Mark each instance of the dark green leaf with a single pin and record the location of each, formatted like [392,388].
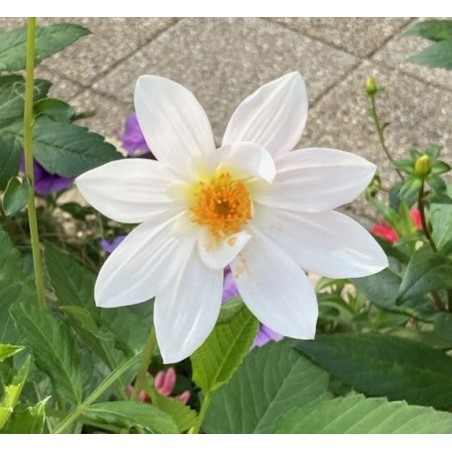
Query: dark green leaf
[434,152]
[12,393]
[441,219]
[356,414]
[49,40]
[425,272]
[385,366]
[130,414]
[443,325]
[407,166]
[230,309]
[440,167]
[76,210]
[16,195]
[66,149]
[54,349]
[410,189]
[10,150]
[437,183]
[272,380]
[30,421]
[436,55]
[222,352]
[434,29]
[7,350]
[55,109]
[14,287]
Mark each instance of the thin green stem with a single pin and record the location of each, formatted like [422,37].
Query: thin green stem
[28,148]
[78,411]
[202,414]
[379,128]
[140,381]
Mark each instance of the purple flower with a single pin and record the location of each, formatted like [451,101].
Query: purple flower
[133,140]
[46,182]
[109,247]
[265,334]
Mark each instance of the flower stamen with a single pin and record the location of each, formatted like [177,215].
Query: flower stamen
[222,203]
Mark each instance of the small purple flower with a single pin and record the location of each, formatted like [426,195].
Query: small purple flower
[265,334]
[45,182]
[109,247]
[132,139]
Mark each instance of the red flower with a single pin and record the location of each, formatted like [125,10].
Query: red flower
[389,234]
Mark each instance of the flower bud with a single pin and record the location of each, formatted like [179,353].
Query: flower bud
[423,166]
[371,87]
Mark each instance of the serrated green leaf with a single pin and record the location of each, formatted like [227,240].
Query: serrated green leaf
[29,421]
[55,109]
[222,352]
[434,29]
[7,350]
[16,195]
[65,149]
[272,380]
[49,40]
[128,414]
[396,368]
[426,271]
[356,414]
[14,287]
[436,55]
[54,350]
[12,393]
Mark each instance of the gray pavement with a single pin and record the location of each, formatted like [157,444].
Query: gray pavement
[223,60]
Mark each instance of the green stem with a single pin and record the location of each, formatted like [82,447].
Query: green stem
[202,414]
[379,128]
[28,148]
[140,381]
[77,412]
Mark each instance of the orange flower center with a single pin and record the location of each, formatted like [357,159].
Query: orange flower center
[222,203]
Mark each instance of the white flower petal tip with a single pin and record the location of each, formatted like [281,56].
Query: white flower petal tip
[218,254]
[274,116]
[245,160]
[173,122]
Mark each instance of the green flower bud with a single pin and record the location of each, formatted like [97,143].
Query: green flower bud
[371,87]
[423,166]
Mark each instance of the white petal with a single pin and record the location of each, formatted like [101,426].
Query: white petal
[129,190]
[315,180]
[217,255]
[327,243]
[275,289]
[143,264]
[274,116]
[244,160]
[186,311]
[173,122]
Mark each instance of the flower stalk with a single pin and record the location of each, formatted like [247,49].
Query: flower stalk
[28,149]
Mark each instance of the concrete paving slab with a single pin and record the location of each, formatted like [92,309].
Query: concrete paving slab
[396,52]
[224,60]
[360,36]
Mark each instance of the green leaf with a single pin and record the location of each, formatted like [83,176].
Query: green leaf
[54,350]
[66,149]
[222,352]
[7,350]
[10,150]
[435,30]
[14,287]
[425,272]
[437,184]
[230,309]
[356,414]
[407,166]
[272,380]
[49,40]
[182,415]
[385,366]
[441,219]
[16,195]
[436,55]
[128,414]
[439,167]
[12,393]
[410,189]
[55,109]
[443,325]
[30,421]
